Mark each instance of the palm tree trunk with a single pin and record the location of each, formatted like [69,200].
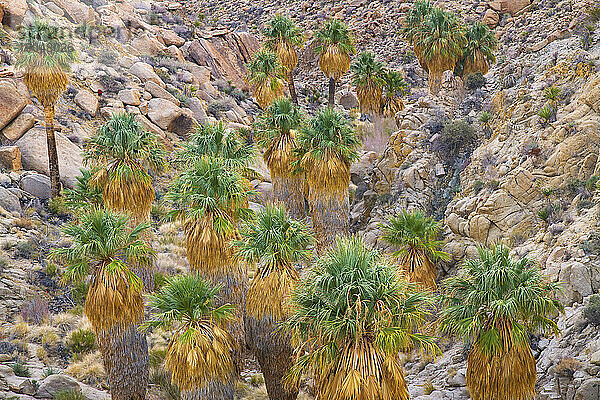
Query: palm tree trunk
[289,191]
[330,216]
[292,88]
[52,152]
[331,92]
[125,354]
[274,352]
[215,389]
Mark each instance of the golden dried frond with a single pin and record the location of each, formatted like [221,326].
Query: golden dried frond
[268,92]
[334,62]
[198,355]
[46,84]
[418,268]
[131,194]
[508,375]
[287,55]
[327,174]
[391,106]
[114,297]
[478,63]
[279,155]
[362,373]
[268,295]
[369,98]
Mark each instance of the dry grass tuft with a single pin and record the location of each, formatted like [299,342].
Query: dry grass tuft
[89,370]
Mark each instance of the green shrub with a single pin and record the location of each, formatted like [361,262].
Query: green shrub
[256,380]
[157,356]
[50,371]
[477,186]
[58,206]
[69,395]
[82,341]
[591,312]
[475,81]
[20,369]
[79,292]
[543,214]
[25,250]
[546,114]
[159,280]
[456,137]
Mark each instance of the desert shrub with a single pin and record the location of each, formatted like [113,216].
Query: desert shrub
[592,245]
[545,113]
[494,184]
[108,57]
[35,310]
[20,369]
[456,137]
[89,369]
[58,206]
[82,341]
[256,380]
[112,84]
[428,387]
[477,186]
[23,223]
[69,395]
[567,367]
[49,371]
[591,312]
[79,292]
[216,108]
[159,280]
[156,357]
[475,81]
[162,379]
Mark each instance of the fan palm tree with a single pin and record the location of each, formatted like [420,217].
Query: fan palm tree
[368,78]
[274,242]
[353,315]
[438,44]
[45,54]
[495,302]
[394,88]
[335,44]
[199,352]
[416,237]
[414,19]
[326,149]
[210,200]
[479,51]
[276,129]
[266,76]
[84,196]
[284,37]
[105,247]
[215,140]
[124,153]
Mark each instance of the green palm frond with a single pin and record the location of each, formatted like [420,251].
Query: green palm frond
[40,45]
[280,118]
[394,85]
[335,33]
[215,140]
[84,195]
[265,70]
[282,28]
[209,188]
[415,18]
[496,299]
[414,231]
[478,53]
[366,70]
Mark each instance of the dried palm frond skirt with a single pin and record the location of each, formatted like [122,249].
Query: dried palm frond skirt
[334,63]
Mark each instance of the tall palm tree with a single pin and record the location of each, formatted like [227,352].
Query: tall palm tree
[495,302]
[327,146]
[199,352]
[105,247]
[335,44]
[438,44]
[266,76]
[276,131]
[274,242]
[415,236]
[394,88]
[210,200]
[414,19]
[479,51]
[124,153]
[284,38]
[353,315]
[368,78]
[215,140]
[45,54]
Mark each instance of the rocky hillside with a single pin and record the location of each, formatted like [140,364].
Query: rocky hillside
[521,180]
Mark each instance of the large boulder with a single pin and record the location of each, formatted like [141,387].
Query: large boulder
[589,390]
[10,158]
[148,45]
[145,73]
[158,92]
[37,185]
[170,38]
[13,99]
[512,7]
[8,201]
[34,152]
[14,12]
[18,127]
[226,55]
[163,112]
[591,94]
[76,11]
[87,101]
[56,383]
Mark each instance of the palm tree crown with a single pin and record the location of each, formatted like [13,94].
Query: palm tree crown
[105,246]
[326,148]
[199,350]
[335,45]
[353,315]
[45,53]
[479,51]
[393,89]
[267,76]
[368,77]
[124,152]
[275,242]
[84,195]
[283,36]
[495,302]
[415,236]
[415,18]
[215,140]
